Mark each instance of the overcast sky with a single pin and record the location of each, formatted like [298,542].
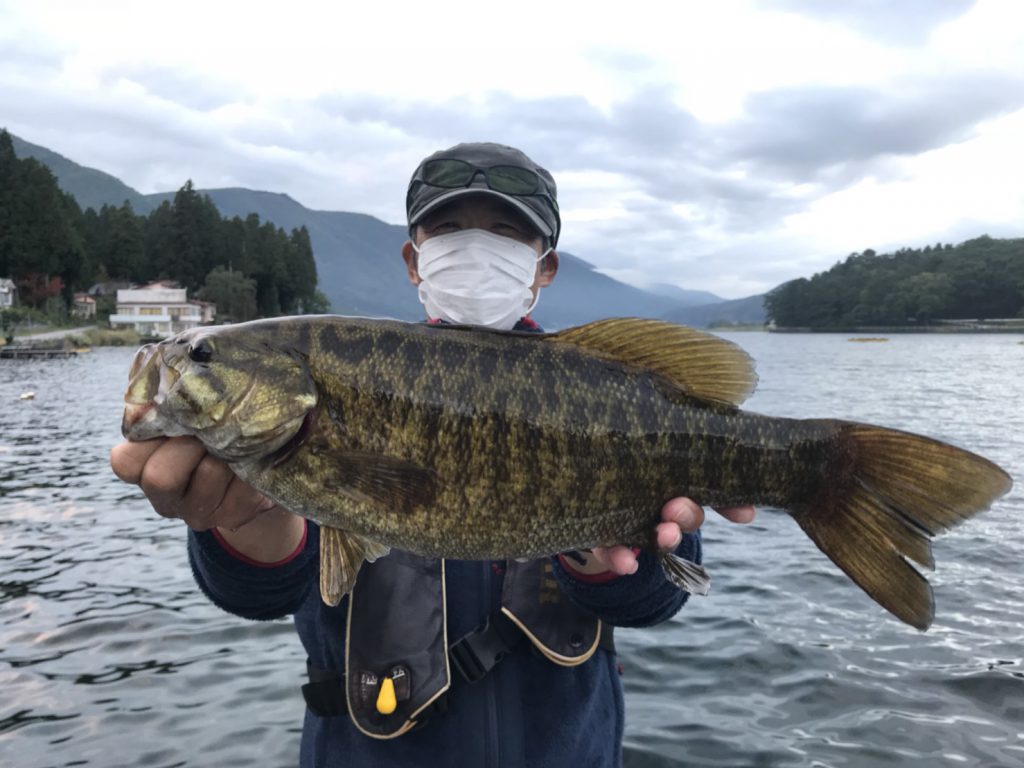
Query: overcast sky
[726,146]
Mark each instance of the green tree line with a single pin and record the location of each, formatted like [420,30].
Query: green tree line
[981,278]
[51,248]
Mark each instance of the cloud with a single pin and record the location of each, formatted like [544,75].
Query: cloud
[803,134]
[904,22]
[20,58]
[669,189]
[194,90]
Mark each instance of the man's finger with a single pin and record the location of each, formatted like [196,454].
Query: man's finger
[742,515]
[619,559]
[207,488]
[624,561]
[684,512]
[168,473]
[128,459]
[669,535]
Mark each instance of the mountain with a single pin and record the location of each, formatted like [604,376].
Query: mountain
[580,294]
[684,297]
[90,187]
[358,260]
[362,273]
[748,311]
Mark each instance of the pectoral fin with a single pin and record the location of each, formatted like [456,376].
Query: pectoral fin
[341,556]
[688,576]
[371,478]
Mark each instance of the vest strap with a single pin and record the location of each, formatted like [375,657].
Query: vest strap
[325,692]
[475,654]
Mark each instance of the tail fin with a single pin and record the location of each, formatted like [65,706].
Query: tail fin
[899,491]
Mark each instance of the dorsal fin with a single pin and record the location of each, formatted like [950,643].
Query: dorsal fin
[701,364]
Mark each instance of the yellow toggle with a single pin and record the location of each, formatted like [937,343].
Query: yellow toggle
[386,701]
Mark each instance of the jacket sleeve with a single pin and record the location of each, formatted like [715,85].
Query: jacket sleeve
[639,600]
[251,589]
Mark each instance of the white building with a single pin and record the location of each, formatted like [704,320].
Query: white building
[8,293]
[160,309]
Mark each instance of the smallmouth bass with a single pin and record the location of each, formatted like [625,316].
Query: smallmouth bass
[469,443]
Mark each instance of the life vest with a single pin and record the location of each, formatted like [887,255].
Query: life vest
[400,661]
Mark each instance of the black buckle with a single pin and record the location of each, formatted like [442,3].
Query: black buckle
[475,654]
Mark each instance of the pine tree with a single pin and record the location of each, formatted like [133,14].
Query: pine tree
[302,268]
[188,259]
[123,244]
[159,260]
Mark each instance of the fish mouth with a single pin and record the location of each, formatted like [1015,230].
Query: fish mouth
[133,414]
[149,379]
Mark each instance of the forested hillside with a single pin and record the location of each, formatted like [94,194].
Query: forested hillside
[981,278]
[51,248]
[359,268]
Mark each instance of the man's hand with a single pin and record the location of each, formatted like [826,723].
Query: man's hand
[181,480]
[678,516]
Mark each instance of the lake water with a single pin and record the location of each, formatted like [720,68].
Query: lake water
[109,656]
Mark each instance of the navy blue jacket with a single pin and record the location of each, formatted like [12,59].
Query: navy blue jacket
[526,712]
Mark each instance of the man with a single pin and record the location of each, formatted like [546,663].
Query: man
[431,662]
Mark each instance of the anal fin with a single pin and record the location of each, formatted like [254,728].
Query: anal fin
[341,556]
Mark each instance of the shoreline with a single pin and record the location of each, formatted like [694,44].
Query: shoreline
[875,329]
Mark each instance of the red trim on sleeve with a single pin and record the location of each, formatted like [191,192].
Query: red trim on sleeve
[249,561]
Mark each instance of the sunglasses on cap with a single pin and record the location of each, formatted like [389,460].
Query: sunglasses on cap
[452,174]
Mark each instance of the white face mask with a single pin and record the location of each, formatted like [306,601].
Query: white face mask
[474,277]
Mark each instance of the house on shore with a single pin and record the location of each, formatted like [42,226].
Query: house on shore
[160,309]
[8,293]
[83,306]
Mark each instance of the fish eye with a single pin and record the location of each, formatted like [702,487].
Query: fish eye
[201,351]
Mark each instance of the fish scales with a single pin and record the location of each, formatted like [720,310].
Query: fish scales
[500,451]
[468,443]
